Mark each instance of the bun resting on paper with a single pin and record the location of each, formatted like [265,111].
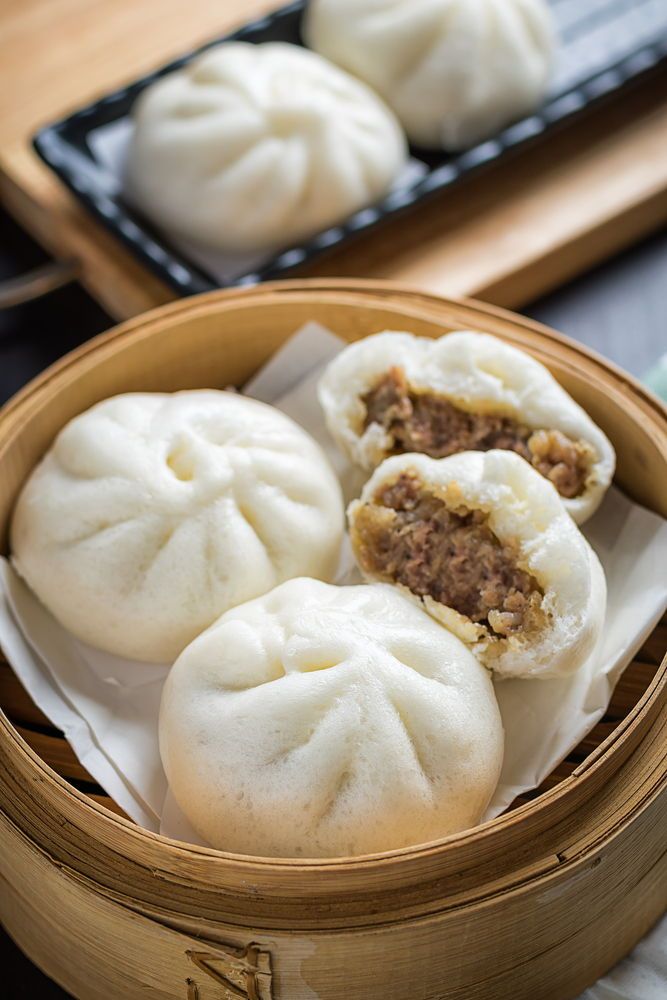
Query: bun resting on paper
[454,71]
[394,392]
[253,147]
[320,721]
[484,544]
[153,513]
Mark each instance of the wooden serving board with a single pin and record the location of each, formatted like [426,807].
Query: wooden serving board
[506,236]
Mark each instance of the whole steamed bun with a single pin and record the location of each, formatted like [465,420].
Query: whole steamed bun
[320,721]
[454,71]
[152,514]
[253,147]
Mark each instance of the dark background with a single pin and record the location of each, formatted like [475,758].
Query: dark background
[619,309]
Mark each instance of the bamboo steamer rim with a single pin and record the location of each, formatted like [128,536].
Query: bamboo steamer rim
[415,861]
[335,288]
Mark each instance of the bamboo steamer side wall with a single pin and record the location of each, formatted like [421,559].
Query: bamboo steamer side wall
[548,939]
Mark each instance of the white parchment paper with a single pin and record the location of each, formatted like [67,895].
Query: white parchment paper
[108,707]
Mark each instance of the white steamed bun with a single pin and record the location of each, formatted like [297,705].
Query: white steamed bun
[432,558]
[479,374]
[253,147]
[320,721]
[153,513]
[454,71]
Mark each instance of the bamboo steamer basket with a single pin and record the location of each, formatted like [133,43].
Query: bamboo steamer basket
[537,903]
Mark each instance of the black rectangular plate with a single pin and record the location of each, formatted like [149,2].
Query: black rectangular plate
[605,45]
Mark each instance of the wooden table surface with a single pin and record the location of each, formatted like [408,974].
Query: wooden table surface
[507,236]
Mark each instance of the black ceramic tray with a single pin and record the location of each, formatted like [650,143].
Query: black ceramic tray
[605,45]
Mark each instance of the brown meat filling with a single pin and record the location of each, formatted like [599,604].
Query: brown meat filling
[427,423]
[410,536]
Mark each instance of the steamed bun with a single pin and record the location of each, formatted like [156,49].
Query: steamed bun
[394,392]
[253,147]
[454,71]
[153,513]
[320,721]
[482,541]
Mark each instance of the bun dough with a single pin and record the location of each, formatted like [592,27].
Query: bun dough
[321,721]
[153,513]
[525,513]
[476,372]
[454,71]
[252,147]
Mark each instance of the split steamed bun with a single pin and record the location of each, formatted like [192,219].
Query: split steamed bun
[154,513]
[320,721]
[252,147]
[454,71]
[394,392]
[484,543]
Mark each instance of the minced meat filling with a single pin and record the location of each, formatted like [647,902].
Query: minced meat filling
[427,423]
[451,556]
